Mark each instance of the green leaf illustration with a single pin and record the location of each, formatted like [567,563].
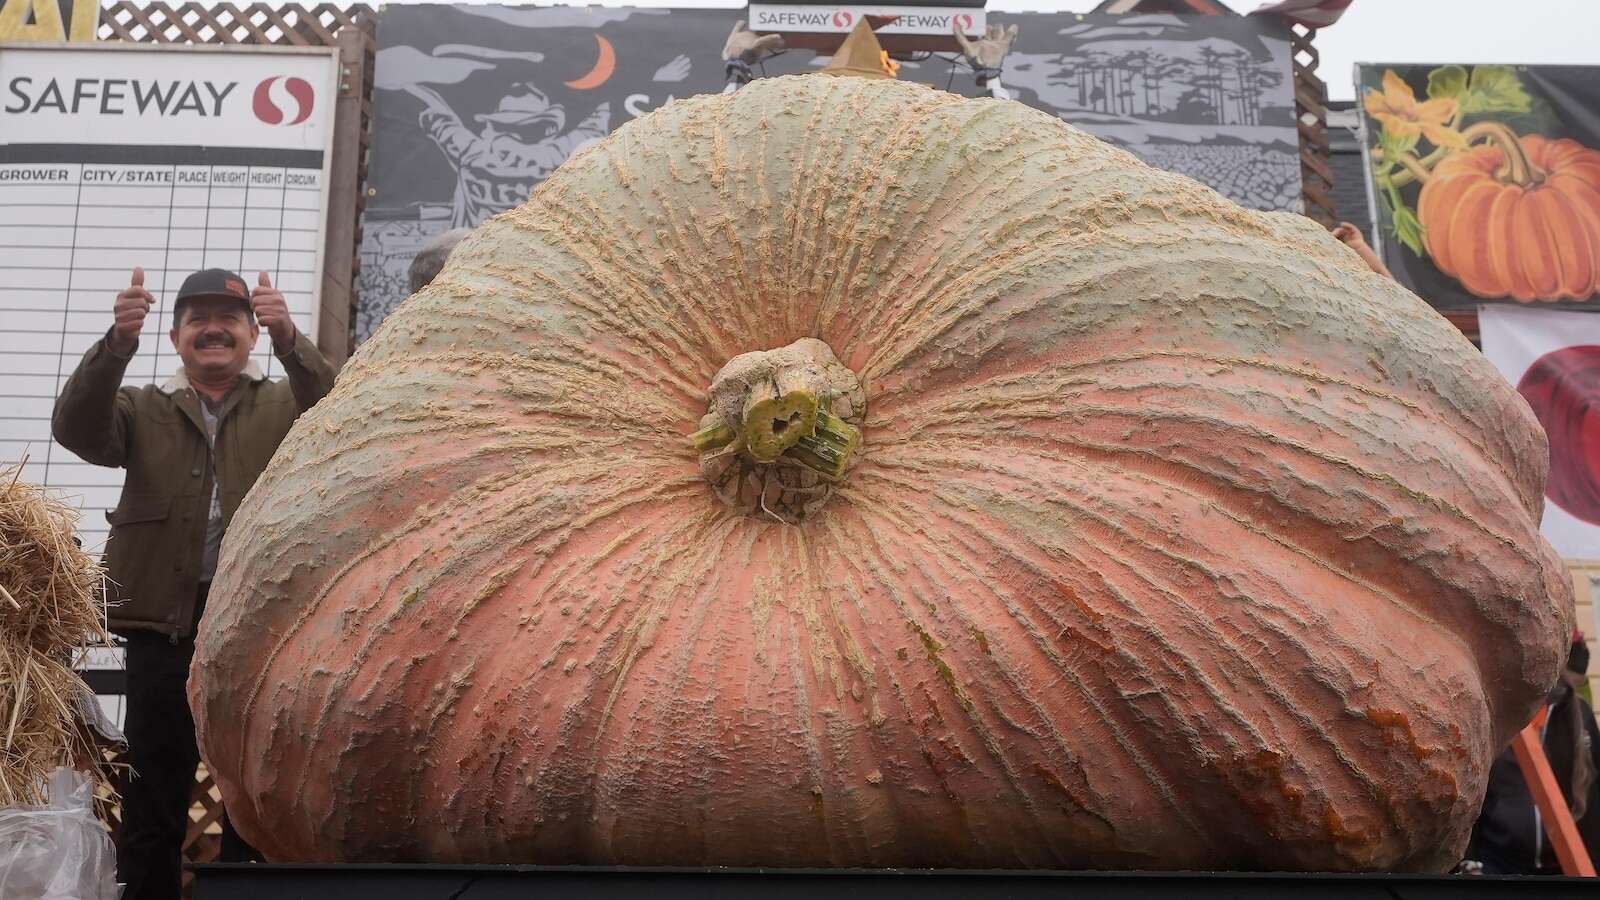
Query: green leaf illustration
[1447,82]
[1407,229]
[1495,89]
[1394,146]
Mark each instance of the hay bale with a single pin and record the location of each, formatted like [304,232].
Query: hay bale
[52,609]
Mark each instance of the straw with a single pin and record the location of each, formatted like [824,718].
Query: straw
[53,609]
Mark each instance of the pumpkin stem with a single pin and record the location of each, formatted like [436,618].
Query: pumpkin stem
[828,449]
[781,429]
[1518,168]
[712,437]
[774,423]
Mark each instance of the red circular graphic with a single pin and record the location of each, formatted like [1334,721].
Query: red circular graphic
[965,21]
[842,19]
[1563,387]
[267,111]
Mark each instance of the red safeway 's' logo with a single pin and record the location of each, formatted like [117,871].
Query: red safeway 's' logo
[965,21]
[270,109]
[842,18]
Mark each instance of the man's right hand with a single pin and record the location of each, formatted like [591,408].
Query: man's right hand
[1351,237]
[132,305]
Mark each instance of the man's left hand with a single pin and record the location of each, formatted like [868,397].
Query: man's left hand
[747,46]
[273,314]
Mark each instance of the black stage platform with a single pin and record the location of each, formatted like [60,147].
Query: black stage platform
[305,882]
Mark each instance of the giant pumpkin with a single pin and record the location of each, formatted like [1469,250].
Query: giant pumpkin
[1516,217]
[1138,529]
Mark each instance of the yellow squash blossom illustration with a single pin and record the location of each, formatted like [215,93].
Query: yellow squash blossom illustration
[1404,118]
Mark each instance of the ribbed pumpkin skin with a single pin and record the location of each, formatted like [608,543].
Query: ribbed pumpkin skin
[1177,538]
[1499,239]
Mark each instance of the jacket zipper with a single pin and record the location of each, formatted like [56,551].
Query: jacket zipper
[216,489]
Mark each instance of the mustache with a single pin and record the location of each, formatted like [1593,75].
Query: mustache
[214,339]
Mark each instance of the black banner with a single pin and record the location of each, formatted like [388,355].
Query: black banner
[1486,181]
[474,105]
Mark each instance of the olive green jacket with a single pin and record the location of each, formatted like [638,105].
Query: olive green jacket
[158,529]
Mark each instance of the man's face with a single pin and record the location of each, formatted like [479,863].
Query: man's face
[215,336]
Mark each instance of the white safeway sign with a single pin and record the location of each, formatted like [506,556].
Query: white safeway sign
[835,18]
[199,96]
[172,159]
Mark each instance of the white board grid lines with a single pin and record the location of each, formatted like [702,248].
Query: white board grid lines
[162,158]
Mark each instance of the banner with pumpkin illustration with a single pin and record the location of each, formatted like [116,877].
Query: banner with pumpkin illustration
[1485,180]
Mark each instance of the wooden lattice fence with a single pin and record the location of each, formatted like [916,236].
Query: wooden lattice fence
[294,24]
[1311,119]
[202,842]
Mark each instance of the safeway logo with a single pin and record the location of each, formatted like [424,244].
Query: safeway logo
[271,100]
[842,18]
[965,21]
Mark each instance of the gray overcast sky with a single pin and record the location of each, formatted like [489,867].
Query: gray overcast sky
[1419,31]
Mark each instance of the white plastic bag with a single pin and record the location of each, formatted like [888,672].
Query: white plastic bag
[58,851]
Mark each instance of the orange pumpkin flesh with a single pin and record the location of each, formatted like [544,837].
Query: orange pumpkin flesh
[1535,240]
[1173,536]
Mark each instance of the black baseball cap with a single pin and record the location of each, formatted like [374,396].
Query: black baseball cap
[219,283]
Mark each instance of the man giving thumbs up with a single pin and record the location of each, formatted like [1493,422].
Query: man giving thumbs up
[131,307]
[192,447]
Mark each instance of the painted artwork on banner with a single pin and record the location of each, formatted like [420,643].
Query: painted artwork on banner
[475,105]
[1486,180]
[1553,359]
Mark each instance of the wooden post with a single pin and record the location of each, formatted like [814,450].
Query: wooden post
[1558,823]
[339,254]
[1311,120]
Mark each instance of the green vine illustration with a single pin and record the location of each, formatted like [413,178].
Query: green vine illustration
[1437,125]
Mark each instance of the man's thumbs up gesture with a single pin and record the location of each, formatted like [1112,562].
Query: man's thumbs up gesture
[131,307]
[273,314]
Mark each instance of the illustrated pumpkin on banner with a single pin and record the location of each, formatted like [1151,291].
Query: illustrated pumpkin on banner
[1487,180]
[1517,217]
[1553,359]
